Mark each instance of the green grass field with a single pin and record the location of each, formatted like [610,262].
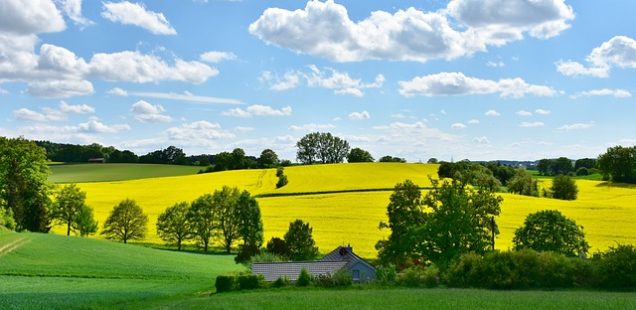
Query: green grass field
[56,272]
[76,173]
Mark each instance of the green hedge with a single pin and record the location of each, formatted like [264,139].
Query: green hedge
[245,281]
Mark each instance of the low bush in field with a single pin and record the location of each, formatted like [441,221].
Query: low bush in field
[339,279]
[419,277]
[386,275]
[281,282]
[224,284]
[244,281]
[616,268]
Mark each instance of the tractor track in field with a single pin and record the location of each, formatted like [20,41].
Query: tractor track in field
[12,246]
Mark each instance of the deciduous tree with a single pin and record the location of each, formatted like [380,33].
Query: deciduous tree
[85,223]
[204,218]
[68,204]
[300,242]
[126,221]
[564,187]
[173,224]
[549,230]
[358,155]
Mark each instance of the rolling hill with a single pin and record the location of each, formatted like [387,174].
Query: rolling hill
[75,173]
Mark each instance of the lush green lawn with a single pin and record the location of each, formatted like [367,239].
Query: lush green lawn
[79,173]
[387,298]
[52,271]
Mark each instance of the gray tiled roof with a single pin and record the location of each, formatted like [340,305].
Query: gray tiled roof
[273,271]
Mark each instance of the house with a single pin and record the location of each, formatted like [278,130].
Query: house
[340,259]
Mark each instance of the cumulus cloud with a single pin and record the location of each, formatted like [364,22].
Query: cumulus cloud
[51,114]
[576,126]
[340,82]
[473,122]
[33,116]
[542,112]
[94,125]
[619,51]
[531,124]
[492,113]
[118,92]
[290,80]
[605,92]
[26,17]
[258,110]
[311,127]
[197,133]
[325,29]
[77,109]
[359,115]
[458,126]
[136,14]
[73,9]
[524,113]
[456,83]
[60,88]
[216,56]
[147,112]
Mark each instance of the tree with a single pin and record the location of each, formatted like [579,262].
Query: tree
[278,247]
[238,159]
[250,225]
[391,159]
[404,212]
[23,183]
[126,221]
[173,224]
[588,163]
[85,223]
[562,165]
[358,155]
[322,148]
[522,183]
[619,164]
[432,160]
[545,167]
[456,220]
[268,159]
[300,242]
[68,205]
[226,204]
[564,187]
[204,218]
[549,230]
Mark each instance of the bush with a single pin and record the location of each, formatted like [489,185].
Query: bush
[386,275]
[304,279]
[6,219]
[419,277]
[245,253]
[522,183]
[250,281]
[339,279]
[282,181]
[616,268]
[281,282]
[563,187]
[549,230]
[279,171]
[582,171]
[465,271]
[225,283]
[266,257]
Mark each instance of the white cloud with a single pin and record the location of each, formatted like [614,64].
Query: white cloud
[542,112]
[258,110]
[576,126]
[94,125]
[531,124]
[26,17]
[73,9]
[458,126]
[481,140]
[616,93]
[325,29]
[185,96]
[340,82]
[619,51]
[77,109]
[495,64]
[60,88]
[456,83]
[33,116]
[243,129]
[216,56]
[359,115]
[197,133]
[147,112]
[524,113]
[135,67]
[118,92]
[473,122]
[492,113]
[289,81]
[128,13]
[311,127]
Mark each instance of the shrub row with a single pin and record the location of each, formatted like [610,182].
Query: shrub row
[227,283]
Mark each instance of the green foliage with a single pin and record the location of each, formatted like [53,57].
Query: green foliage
[341,278]
[170,155]
[226,202]
[278,246]
[250,224]
[564,187]
[203,217]
[582,171]
[300,241]
[280,171]
[173,224]
[549,230]
[561,165]
[386,275]
[23,183]
[417,276]
[281,282]
[619,164]
[304,278]
[6,218]
[358,155]
[268,159]
[126,221]
[85,223]
[616,268]
[522,183]
[69,202]
[588,163]
[466,173]
[524,269]
[282,181]
[245,253]
[225,283]
[391,159]
[250,281]
[266,257]
[319,147]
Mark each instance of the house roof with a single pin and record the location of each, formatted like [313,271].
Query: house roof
[291,270]
[343,253]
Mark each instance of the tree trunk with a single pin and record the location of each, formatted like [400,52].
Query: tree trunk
[179,245]
[68,228]
[205,246]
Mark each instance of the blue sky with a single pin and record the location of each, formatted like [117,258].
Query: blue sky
[483,80]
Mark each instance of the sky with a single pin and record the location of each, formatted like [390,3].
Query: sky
[459,79]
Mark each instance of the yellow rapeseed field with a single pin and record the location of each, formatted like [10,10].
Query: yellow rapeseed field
[608,214]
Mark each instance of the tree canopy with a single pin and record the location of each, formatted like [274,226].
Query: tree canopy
[323,148]
[358,155]
[564,187]
[619,164]
[69,202]
[549,230]
[173,224]
[126,221]
[300,242]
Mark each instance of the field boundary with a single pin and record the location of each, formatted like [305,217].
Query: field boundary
[344,191]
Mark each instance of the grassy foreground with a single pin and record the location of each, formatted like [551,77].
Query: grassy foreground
[76,173]
[56,272]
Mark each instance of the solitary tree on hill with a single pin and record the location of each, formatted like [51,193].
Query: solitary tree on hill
[68,204]
[126,221]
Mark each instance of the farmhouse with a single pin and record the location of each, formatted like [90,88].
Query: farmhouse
[340,259]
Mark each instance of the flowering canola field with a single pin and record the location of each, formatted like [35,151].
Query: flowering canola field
[608,214]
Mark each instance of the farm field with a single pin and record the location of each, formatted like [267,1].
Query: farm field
[74,173]
[58,272]
[606,212]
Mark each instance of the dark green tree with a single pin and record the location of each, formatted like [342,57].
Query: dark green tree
[588,163]
[278,247]
[23,183]
[250,226]
[226,204]
[204,218]
[391,159]
[126,221]
[238,159]
[268,159]
[173,224]
[300,241]
[619,164]
[564,187]
[404,213]
[562,165]
[544,167]
[69,202]
[522,183]
[85,223]
[321,148]
[358,155]
[549,230]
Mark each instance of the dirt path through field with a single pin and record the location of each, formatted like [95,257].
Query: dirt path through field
[12,246]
